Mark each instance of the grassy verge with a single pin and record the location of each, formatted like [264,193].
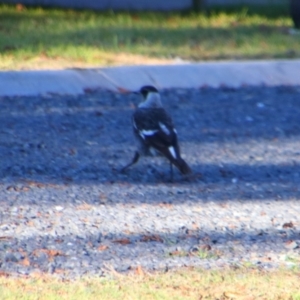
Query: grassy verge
[182,284]
[33,38]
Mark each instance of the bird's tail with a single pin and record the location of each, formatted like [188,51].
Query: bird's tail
[182,166]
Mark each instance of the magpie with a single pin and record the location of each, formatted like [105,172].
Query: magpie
[153,128]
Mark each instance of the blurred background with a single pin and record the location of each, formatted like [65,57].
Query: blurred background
[143,4]
[57,34]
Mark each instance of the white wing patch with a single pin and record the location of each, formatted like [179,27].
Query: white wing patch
[145,132]
[164,128]
[172,151]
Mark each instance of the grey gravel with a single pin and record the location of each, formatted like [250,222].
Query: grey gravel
[67,210]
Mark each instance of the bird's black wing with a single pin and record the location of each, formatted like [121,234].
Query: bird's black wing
[155,127]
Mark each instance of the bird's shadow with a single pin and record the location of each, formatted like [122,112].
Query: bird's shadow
[85,140]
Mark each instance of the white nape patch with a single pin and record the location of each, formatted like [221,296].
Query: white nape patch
[152,100]
[145,132]
[172,151]
[164,128]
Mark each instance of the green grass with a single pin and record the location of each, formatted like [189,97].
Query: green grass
[37,38]
[244,283]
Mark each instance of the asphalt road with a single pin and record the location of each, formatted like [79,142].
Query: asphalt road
[67,210]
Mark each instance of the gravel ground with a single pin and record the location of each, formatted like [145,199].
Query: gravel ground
[66,210]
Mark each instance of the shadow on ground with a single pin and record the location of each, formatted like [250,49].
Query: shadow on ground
[243,141]
[65,206]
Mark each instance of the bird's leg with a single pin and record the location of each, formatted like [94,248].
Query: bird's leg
[171,172]
[133,161]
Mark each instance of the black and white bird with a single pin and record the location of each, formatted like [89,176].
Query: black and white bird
[153,128]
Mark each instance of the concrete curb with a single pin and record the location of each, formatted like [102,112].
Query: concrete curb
[212,74]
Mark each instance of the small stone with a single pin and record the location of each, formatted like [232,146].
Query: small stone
[23,271]
[59,208]
[234,180]
[11,188]
[183,230]
[14,209]
[260,105]
[51,268]
[259,158]
[195,248]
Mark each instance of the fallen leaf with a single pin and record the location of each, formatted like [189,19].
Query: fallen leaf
[205,247]
[195,226]
[30,223]
[151,238]
[35,184]
[25,262]
[123,90]
[234,295]
[84,206]
[59,271]
[167,205]
[89,90]
[20,7]
[72,151]
[4,274]
[36,274]
[22,251]
[288,225]
[5,238]
[50,252]
[178,253]
[206,238]
[139,271]
[103,247]
[25,189]
[122,241]
[53,252]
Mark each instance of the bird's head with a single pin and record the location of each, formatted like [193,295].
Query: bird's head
[147,89]
[151,97]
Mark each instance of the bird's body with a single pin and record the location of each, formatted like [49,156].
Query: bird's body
[153,128]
